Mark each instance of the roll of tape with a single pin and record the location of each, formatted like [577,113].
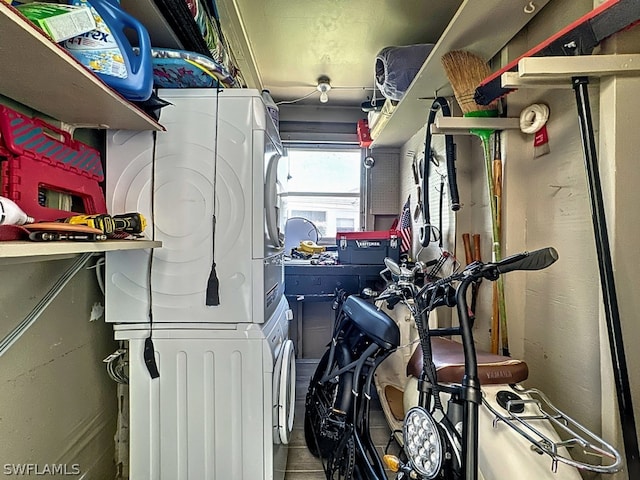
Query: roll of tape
[534,117]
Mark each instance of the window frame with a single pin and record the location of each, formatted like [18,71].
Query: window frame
[360,195]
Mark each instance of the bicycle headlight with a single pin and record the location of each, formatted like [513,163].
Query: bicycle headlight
[422,442]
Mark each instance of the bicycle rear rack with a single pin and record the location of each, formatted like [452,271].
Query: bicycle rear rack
[573,434]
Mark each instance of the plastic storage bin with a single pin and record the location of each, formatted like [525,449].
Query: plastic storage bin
[368,248]
[42,161]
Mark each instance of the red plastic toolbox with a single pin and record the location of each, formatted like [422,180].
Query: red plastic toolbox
[40,160]
[368,248]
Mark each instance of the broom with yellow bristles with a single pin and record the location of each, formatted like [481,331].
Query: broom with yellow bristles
[465,71]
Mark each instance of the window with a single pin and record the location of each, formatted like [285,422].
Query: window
[316,217]
[345,225]
[323,186]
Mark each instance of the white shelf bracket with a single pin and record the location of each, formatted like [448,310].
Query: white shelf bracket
[463,125]
[556,72]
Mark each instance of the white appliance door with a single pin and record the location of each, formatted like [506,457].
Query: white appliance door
[284,393]
[274,234]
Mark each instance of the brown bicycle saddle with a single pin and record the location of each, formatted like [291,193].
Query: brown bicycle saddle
[449,361]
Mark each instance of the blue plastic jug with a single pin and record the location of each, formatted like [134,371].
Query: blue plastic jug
[109,54]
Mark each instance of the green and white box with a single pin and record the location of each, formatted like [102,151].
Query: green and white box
[60,22]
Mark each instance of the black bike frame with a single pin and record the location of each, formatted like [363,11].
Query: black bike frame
[469,391]
[361,407]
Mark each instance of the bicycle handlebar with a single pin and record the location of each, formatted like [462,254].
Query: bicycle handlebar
[536,260]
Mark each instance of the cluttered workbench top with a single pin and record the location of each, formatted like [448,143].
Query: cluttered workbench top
[354,263]
[309,281]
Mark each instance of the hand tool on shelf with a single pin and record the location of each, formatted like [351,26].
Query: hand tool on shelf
[12,214]
[132,223]
[56,231]
[40,236]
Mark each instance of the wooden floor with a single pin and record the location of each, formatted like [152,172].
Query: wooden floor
[301,464]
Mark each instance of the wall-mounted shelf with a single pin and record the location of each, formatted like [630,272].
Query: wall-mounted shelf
[148,13]
[24,251]
[42,75]
[536,72]
[463,125]
[483,27]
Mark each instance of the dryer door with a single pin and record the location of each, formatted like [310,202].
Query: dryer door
[284,393]
[274,235]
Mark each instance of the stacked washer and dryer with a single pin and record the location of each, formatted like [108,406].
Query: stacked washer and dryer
[222,406]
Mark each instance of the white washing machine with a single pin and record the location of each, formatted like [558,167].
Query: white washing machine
[170,178]
[223,405]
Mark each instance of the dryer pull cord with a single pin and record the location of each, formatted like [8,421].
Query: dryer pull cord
[149,350]
[213,284]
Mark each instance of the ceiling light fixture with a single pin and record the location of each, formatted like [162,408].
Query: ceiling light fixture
[323,87]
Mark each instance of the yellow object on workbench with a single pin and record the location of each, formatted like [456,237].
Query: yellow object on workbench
[309,246]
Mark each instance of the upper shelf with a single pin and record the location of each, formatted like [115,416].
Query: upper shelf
[33,251]
[147,13]
[483,27]
[42,75]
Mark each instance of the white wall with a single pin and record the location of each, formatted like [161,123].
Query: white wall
[618,153]
[555,316]
[565,344]
[58,404]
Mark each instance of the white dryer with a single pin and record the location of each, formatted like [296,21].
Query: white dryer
[223,405]
[170,178]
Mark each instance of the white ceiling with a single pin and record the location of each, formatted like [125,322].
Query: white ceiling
[286,45]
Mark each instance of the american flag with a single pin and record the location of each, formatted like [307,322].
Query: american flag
[405,227]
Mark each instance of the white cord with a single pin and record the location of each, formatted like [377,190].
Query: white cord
[534,117]
[315,90]
[99,266]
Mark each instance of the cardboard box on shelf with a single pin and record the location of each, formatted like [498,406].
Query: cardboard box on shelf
[60,22]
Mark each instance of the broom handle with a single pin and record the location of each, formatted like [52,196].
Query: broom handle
[495,321]
[497,253]
[497,182]
[466,239]
[476,248]
[499,322]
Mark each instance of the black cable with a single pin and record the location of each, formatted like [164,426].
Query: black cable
[149,350]
[440,207]
[426,231]
[213,284]
[428,369]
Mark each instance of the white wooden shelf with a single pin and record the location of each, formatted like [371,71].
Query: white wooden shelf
[482,27]
[25,251]
[536,72]
[42,75]
[463,125]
